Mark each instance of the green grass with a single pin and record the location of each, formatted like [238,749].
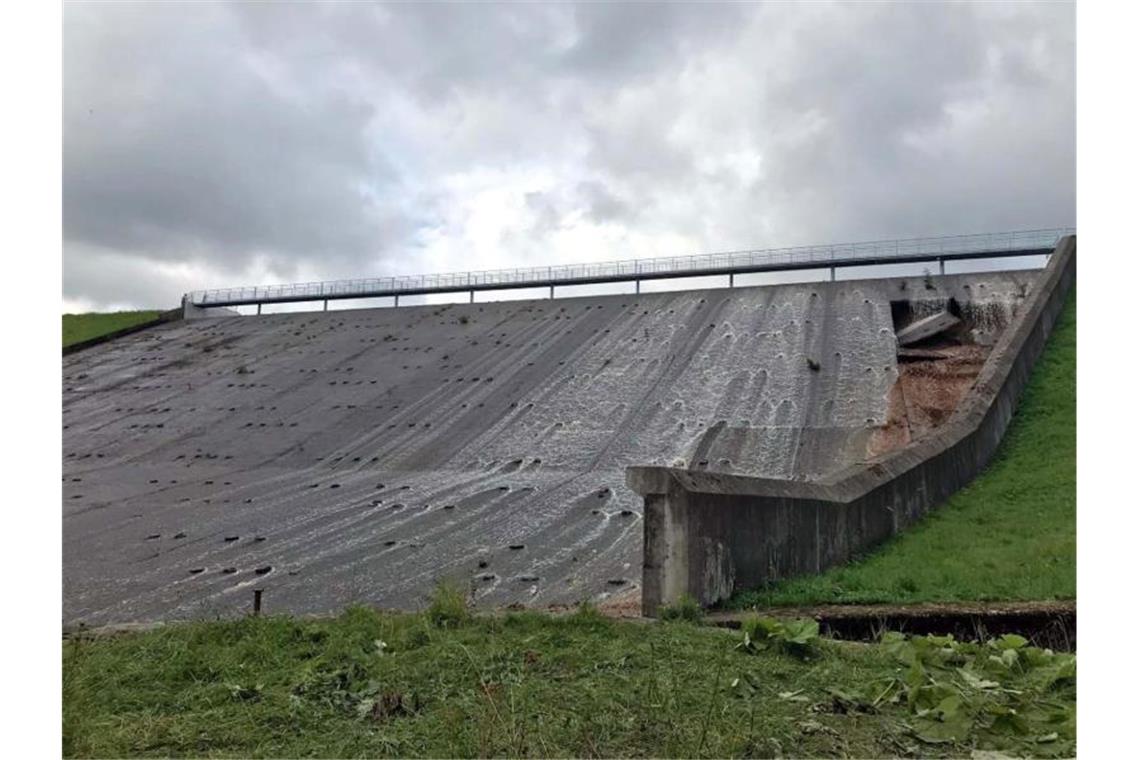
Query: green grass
[524,684]
[1009,535]
[80,327]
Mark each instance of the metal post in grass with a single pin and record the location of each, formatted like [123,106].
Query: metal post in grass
[257,601]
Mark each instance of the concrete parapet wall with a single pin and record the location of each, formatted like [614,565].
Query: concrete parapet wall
[707,534]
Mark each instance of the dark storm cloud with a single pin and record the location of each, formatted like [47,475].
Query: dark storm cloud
[627,40]
[602,205]
[207,144]
[175,145]
[878,165]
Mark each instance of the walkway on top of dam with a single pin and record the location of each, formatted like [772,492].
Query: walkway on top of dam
[833,256]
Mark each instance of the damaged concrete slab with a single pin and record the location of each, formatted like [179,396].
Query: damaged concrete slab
[707,534]
[927,327]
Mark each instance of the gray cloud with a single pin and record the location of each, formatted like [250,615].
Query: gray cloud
[176,146]
[215,144]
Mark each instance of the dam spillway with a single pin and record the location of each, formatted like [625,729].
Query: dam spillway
[360,456]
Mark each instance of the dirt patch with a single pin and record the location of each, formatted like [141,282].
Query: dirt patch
[932,381]
[626,605]
[933,386]
[896,433]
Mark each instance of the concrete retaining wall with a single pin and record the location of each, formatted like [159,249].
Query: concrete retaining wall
[706,534]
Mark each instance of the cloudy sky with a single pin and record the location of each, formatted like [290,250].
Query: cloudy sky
[208,145]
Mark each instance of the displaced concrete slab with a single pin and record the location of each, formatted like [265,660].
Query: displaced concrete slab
[927,327]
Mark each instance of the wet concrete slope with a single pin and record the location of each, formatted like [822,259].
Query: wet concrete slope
[343,457]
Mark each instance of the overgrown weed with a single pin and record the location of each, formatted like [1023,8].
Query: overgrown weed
[449,606]
[686,609]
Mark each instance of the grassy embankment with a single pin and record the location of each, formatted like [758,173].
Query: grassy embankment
[80,327]
[446,684]
[1010,535]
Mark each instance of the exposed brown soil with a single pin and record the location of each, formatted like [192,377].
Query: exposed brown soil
[896,433]
[932,381]
[933,387]
[624,605]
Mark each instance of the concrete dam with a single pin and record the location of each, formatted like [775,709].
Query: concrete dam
[345,457]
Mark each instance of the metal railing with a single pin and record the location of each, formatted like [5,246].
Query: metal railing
[734,262]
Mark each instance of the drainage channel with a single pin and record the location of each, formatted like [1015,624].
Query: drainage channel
[1050,625]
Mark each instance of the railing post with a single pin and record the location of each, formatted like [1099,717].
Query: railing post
[259,309]
[397,300]
[730,279]
[552,291]
[472,296]
[833,274]
[941,266]
[637,287]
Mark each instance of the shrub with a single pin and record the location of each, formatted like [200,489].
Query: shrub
[685,609]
